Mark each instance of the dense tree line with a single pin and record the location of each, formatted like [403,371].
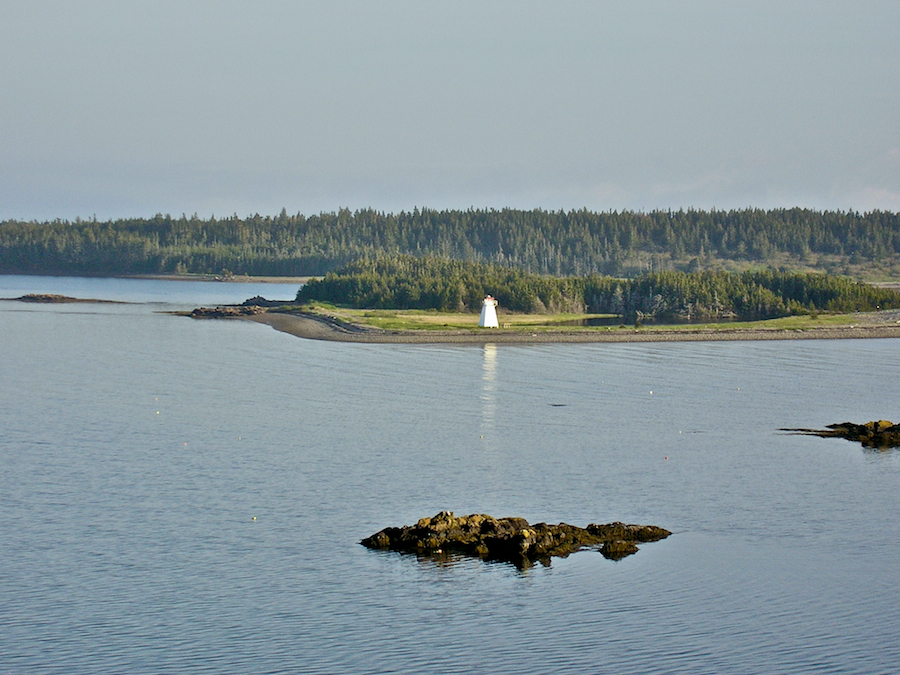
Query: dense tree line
[407,282]
[543,242]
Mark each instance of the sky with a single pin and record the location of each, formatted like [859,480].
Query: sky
[128,108]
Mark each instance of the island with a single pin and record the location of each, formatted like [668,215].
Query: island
[55,299]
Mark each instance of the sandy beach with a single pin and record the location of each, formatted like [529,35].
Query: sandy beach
[881,325]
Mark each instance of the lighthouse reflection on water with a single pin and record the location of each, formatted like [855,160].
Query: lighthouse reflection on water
[489,387]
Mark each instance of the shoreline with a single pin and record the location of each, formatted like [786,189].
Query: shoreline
[319,328]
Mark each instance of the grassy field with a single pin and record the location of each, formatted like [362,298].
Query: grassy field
[433,320]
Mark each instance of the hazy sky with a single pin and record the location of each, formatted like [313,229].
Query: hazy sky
[127,107]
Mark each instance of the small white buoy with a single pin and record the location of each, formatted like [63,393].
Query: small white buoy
[253,518]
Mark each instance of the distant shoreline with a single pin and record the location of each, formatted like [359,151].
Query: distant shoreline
[318,328]
[234,279]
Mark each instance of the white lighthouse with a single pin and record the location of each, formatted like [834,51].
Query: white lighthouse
[488,313]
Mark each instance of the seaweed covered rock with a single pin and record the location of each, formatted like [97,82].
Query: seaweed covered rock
[875,434]
[511,539]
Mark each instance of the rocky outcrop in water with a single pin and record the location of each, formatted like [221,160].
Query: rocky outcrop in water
[511,539]
[875,434]
[227,311]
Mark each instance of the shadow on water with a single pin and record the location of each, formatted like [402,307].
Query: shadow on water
[449,559]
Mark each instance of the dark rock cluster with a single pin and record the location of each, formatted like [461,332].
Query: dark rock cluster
[249,307]
[875,434]
[227,311]
[511,539]
[260,301]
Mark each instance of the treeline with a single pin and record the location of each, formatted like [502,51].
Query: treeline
[407,282]
[542,242]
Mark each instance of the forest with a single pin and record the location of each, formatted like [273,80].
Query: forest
[574,243]
[408,282]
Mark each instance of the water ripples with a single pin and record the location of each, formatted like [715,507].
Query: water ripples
[138,447]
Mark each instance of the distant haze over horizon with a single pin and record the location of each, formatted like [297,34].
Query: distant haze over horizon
[120,110]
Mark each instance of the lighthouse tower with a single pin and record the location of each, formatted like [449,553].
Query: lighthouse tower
[488,313]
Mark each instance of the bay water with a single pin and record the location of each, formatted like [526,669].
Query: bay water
[183,496]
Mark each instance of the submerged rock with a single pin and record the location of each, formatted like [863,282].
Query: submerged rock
[511,539]
[875,434]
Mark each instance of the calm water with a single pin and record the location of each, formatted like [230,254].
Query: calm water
[136,448]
